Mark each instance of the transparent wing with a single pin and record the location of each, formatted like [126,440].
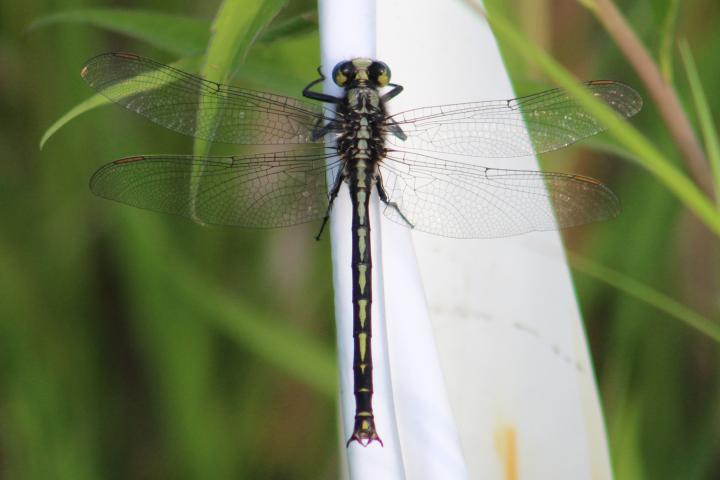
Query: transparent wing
[463,200]
[256,191]
[200,108]
[511,128]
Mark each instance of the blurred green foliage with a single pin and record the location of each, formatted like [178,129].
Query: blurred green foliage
[133,345]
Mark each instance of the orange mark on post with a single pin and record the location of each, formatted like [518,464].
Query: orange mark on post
[506,446]
[128,160]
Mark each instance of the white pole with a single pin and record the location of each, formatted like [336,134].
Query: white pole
[504,314]
[347,30]
[503,311]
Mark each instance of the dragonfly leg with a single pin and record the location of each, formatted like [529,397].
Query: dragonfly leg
[395,129]
[333,194]
[322,97]
[392,93]
[320,130]
[384,198]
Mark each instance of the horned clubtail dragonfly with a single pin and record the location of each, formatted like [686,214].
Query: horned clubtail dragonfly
[421,162]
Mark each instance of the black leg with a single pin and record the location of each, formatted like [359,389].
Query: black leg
[395,129]
[384,198]
[322,97]
[321,131]
[392,125]
[392,93]
[333,194]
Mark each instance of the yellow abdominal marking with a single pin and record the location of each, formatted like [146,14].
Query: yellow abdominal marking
[362,278]
[362,307]
[362,338]
[361,206]
[362,246]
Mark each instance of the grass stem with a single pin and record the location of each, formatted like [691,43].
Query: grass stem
[662,92]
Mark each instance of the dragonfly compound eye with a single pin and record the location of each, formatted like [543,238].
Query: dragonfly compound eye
[343,73]
[379,73]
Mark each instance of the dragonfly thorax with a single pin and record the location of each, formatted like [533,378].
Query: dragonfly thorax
[363,114]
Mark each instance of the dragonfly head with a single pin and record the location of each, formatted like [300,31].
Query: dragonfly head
[361,70]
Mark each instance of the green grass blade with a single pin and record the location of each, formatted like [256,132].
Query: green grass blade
[626,427]
[82,107]
[667,40]
[712,144]
[291,27]
[235,28]
[128,22]
[646,294]
[624,132]
[265,14]
[294,352]
[98,100]
[610,148]
[181,36]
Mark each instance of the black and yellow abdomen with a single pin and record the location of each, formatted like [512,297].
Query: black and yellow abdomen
[361,145]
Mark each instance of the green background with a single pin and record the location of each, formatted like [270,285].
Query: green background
[134,345]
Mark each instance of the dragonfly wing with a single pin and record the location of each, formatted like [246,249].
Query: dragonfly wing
[465,200]
[511,128]
[200,108]
[255,191]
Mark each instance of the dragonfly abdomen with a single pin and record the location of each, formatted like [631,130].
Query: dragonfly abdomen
[361,182]
[361,146]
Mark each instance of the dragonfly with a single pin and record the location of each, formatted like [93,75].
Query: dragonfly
[423,164]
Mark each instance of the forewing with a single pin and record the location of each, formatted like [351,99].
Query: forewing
[511,128]
[256,191]
[200,108]
[464,200]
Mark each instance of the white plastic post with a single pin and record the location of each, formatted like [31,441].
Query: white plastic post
[347,30]
[516,374]
[504,313]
